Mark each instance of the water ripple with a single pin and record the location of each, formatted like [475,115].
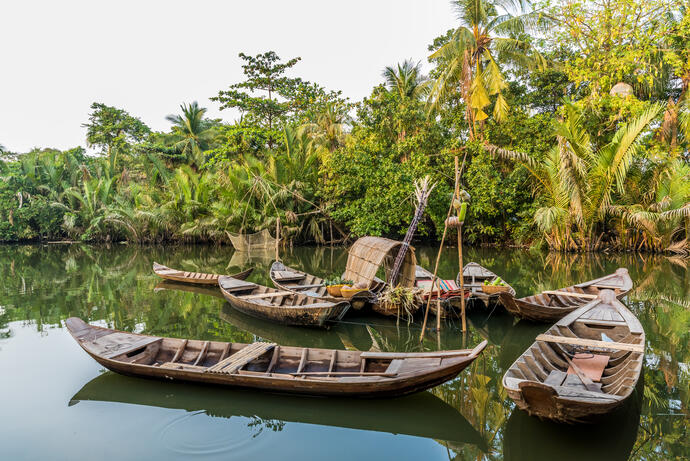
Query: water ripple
[196,433]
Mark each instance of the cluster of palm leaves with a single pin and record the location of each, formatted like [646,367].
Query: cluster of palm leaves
[581,185]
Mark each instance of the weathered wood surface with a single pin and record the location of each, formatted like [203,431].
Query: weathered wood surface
[591,343]
[546,382]
[552,305]
[282,306]
[267,366]
[199,278]
[474,276]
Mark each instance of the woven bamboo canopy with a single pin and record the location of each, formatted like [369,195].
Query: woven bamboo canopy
[368,254]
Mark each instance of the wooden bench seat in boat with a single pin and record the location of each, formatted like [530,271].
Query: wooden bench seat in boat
[274,294]
[591,343]
[287,276]
[230,284]
[241,358]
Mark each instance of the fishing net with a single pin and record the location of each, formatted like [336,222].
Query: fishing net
[248,242]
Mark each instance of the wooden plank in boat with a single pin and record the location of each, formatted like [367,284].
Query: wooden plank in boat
[394,366]
[606,287]
[231,284]
[304,287]
[601,322]
[352,374]
[181,366]
[275,294]
[568,391]
[570,293]
[241,358]
[555,378]
[316,305]
[118,343]
[591,343]
[287,276]
[413,355]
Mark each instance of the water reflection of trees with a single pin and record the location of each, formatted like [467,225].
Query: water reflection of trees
[42,285]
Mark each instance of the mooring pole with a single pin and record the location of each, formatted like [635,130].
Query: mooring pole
[462,275]
[277,238]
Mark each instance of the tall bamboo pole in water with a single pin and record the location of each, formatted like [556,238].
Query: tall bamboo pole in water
[462,276]
[277,237]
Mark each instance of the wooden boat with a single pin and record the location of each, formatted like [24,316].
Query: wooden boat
[280,306]
[420,415]
[551,305]
[296,281]
[199,278]
[474,276]
[584,366]
[270,367]
[449,300]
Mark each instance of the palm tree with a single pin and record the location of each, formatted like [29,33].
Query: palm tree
[577,180]
[469,61]
[191,132]
[406,80]
[330,128]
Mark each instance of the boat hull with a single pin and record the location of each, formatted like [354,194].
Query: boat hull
[196,278]
[149,357]
[538,308]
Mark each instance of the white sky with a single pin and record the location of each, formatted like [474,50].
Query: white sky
[148,56]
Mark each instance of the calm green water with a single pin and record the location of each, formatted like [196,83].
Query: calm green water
[57,403]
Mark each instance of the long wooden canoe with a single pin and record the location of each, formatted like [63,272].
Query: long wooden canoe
[474,276]
[280,306]
[198,278]
[551,305]
[584,366]
[268,366]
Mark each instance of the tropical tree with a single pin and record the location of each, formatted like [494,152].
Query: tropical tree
[577,180]
[329,130]
[489,32]
[405,79]
[113,130]
[191,133]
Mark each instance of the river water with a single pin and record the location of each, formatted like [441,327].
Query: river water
[57,403]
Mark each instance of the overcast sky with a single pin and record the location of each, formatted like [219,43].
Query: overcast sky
[147,57]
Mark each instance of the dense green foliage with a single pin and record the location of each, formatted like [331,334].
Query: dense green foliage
[571,120]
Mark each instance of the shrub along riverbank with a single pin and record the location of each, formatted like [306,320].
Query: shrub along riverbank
[579,147]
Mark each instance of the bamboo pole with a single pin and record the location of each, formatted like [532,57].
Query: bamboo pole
[433,278]
[462,277]
[277,238]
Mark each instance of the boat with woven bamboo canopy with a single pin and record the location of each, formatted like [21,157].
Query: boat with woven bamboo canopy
[584,366]
[551,305]
[198,278]
[368,258]
[269,366]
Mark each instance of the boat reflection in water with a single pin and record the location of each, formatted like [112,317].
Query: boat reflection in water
[419,415]
[612,438]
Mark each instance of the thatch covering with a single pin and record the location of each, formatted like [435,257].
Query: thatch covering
[247,242]
[368,254]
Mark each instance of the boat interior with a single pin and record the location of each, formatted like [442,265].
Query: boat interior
[602,337]
[259,294]
[260,358]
